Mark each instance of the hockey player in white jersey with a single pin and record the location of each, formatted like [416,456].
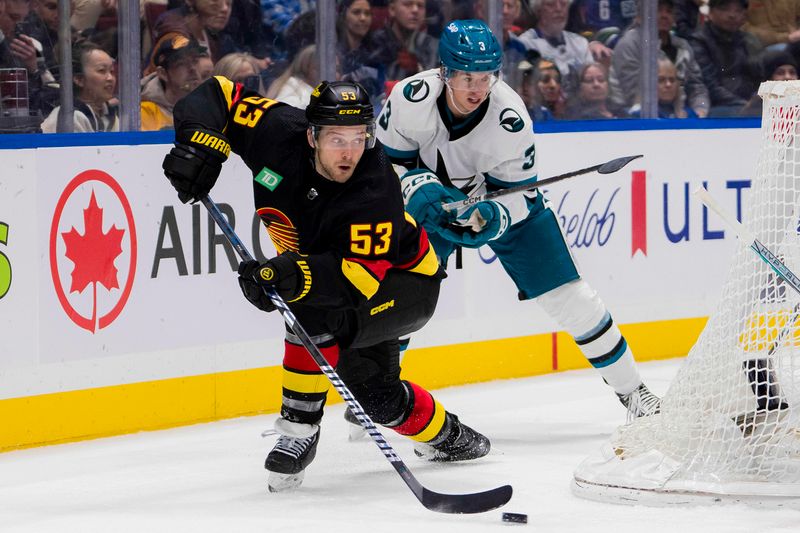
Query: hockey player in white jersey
[460,130]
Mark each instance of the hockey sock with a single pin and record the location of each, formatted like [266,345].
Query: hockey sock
[305,387]
[578,309]
[423,418]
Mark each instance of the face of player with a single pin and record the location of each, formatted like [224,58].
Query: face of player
[784,73]
[97,81]
[667,83]
[468,90]
[594,85]
[358,18]
[338,150]
[408,14]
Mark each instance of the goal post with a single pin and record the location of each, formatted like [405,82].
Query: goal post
[729,427]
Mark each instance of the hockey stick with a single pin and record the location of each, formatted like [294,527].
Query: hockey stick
[443,503]
[609,167]
[760,372]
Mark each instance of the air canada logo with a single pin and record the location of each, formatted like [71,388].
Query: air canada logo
[511,121]
[93,250]
[416,91]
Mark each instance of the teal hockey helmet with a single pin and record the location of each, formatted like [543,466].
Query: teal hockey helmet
[470,45]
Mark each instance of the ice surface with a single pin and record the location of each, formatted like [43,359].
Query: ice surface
[210,477]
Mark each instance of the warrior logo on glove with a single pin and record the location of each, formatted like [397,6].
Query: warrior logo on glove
[266,274]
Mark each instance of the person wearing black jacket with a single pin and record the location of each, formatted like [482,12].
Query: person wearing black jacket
[357,271]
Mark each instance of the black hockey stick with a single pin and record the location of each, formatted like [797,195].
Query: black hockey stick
[443,503]
[609,167]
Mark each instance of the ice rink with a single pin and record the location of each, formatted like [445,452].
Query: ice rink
[210,477]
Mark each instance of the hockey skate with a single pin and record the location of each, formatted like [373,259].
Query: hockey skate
[462,443]
[640,402]
[294,451]
[355,430]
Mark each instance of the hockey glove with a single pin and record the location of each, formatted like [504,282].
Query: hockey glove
[287,273]
[424,195]
[479,224]
[195,163]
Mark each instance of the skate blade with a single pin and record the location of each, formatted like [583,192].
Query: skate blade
[284,482]
[356,433]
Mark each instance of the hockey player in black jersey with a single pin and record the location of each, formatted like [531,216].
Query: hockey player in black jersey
[356,270]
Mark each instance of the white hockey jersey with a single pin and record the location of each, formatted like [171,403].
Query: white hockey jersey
[494,147]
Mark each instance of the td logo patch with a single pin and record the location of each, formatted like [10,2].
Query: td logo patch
[416,91]
[511,121]
[268,178]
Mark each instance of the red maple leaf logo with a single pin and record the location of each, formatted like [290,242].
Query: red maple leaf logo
[93,253]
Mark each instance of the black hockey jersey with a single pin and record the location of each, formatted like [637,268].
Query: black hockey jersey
[351,233]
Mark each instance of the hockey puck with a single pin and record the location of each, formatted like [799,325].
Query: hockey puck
[515,518]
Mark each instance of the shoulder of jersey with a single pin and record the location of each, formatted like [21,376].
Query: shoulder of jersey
[509,110]
[422,87]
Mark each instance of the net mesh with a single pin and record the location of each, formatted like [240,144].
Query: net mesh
[730,415]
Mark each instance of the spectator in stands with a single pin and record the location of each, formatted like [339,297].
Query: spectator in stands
[777,65]
[249,32]
[205,67]
[42,25]
[625,75]
[278,14]
[687,17]
[774,22]
[85,13]
[569,51]
[591,102]
[18,48]
[93,88]
[242,68]
[176,75]
[548,84]
[601,22]
[531,95]
[671,96]
[727,56]
[203,20]
[406,48]
[356,48]
[295,85]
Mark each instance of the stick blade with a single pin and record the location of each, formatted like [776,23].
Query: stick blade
[479,502]
[616,164]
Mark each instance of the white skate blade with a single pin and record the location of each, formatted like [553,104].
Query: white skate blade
[355,432]
[285,482]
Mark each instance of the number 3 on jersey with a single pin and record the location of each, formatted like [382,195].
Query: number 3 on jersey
[369,239]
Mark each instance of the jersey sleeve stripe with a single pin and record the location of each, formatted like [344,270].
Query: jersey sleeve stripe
[500,184]
[227,89]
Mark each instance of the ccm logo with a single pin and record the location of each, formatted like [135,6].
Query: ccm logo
[381,308]
[349,111]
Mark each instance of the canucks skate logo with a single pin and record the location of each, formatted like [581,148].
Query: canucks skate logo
[416,91]
[511,121]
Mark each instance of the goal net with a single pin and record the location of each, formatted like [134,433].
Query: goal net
[729,429]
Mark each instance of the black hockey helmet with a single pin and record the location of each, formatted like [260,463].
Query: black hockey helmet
[341,103]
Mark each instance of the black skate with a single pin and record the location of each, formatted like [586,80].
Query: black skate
[640,402]
[291,454]
[462,443]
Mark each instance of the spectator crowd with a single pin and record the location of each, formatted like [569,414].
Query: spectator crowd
[567,60]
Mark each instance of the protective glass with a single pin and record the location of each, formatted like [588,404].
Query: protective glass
[345,141]
[458,80]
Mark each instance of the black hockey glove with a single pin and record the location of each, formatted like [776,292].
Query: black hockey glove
[284,273]
[195,163]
